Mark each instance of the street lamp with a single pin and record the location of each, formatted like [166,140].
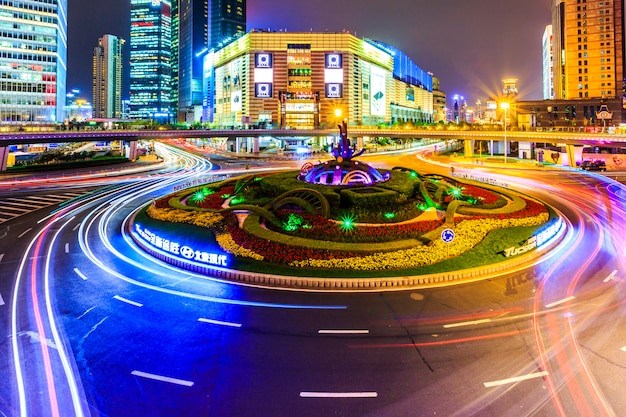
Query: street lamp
[337,115]
[504,106]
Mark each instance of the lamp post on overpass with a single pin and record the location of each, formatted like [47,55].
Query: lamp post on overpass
[505,106]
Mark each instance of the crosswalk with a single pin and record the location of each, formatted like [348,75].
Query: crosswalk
[12,207]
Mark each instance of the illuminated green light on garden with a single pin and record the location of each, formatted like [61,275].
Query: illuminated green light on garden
[347,223]
[237,200]
[413,174]
[225,196]
[423,207]
[294,222]
[389,216]
[198,196]
[207,191]
[456,192]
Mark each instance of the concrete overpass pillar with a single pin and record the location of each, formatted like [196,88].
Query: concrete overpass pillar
[4,155]
[468,148]
[574,154]
[131,151]
[256,146]
[237,145]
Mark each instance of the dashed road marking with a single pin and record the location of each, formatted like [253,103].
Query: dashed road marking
[218,322]
[563,301]
[313,394]
[80,274]
[610,277]
[329,331]
[515,379]
[126,300]
[25,231]
[163,378]
[466,323]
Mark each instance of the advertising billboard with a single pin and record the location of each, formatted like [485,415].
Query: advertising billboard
[378,91]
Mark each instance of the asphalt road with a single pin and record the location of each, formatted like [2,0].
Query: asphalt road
[98,329]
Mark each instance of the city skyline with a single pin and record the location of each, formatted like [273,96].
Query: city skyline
[472,67]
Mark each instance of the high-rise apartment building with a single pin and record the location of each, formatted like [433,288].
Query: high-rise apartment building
[33,60]
[107,77]
[150,59]
[588,37]
[547,64]
[198,25]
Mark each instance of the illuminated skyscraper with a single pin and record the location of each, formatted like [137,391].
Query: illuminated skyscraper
[588,39]
[33,60]
[150,59]
[190,37]
[228,18]
[191,26]
[107,77]
[548,64]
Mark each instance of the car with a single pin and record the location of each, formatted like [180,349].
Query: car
[595,165]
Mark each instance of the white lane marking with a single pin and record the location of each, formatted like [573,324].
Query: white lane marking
[80,274]
[13,205]
[163,378]
[25,231]
[466,323]
[221,323]
[36,338]
[323,331]
[1,300]
[12,209]
[67,248]
[563,301]
[611,276]
[126,300]
[310,394]
[515,379]
[36,199]
[1,256]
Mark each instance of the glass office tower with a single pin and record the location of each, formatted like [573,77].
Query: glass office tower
[198,25]
[150,60]
[190,37]
[33,61]
[228,18]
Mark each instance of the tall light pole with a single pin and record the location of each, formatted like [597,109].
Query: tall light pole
[504,106]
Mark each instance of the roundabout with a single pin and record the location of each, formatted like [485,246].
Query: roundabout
[342,224]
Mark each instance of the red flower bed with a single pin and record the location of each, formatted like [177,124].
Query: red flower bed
[213,201]
[532,209]
[321,228]
[485,196]
[275,252]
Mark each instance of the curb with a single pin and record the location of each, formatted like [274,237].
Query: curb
[346,284]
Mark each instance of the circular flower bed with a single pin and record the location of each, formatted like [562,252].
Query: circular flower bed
[396,225]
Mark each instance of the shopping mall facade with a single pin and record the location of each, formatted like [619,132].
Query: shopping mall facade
[313,80]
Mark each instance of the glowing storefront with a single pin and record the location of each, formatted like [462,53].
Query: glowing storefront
[315,80]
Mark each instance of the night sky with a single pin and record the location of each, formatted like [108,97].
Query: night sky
[470,45]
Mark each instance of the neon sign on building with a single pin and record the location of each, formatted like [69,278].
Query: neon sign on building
[180,251]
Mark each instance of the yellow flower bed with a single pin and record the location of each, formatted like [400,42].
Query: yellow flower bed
[468,234]
[227,243]
[198,218]
[203,219]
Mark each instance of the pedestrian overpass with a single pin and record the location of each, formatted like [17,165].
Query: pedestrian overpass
[570,139]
